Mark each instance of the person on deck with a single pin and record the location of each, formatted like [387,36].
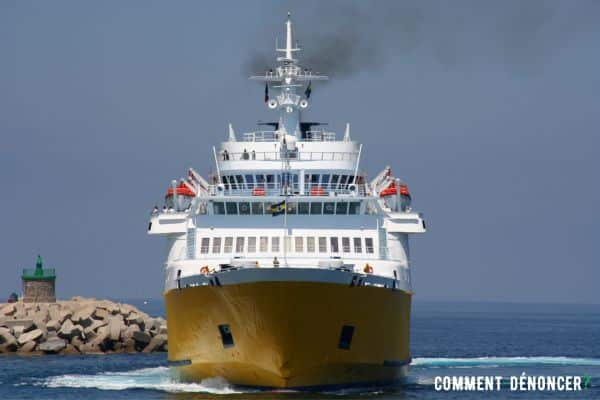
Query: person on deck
[275,262]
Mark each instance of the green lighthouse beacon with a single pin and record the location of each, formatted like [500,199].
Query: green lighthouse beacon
[39,284]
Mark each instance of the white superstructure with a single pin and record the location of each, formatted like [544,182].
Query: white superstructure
[332,224]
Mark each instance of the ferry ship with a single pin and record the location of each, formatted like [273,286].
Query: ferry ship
[288,268]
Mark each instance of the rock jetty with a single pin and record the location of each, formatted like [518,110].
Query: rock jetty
[79,326]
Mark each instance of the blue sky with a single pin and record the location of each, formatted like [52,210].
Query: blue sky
[488,111]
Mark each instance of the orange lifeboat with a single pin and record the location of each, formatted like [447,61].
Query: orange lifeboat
[259,191]
[182,190]
[317,191]
[391,190]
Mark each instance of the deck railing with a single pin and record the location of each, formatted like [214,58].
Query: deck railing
[292,155]
[278,188]
[273,136]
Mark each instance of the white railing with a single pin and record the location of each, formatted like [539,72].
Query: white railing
[291,155]
[278,188]
[273,136]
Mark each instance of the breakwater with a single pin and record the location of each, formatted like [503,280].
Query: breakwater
[79,326]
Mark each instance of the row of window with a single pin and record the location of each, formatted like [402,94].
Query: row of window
[299,244]
[293,208]
[272,181]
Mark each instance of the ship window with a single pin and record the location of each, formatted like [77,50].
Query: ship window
[299,244]
[334,180]
[232,182]
[251,245]
[322,245]
[271,181]
[216,246]
[354,207]
[357,245]
[310,244]
[231,208]
[346,337]
[228,244]
[268,208]
[257,208]
[346,245]
[314,179]
[218,208]
[239,245]
[204,245]
[343,181]
[334,245]
[260,180]
[226,336]
[240,180]
[291,208]
[341,208]
[275,244]
[369,245]
[303,208]
[226,181]
[315,208]
[328,208]
[244,208]
[264,244]
[250,181]
[287,241]
[325,181]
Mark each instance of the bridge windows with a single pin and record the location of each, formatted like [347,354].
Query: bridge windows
[275,244]
[252,244]
[303,208]
[325,246]
[354,207]
[334,244]
[322,244]
[218,208]
[369,245]
[216,247]
[244,208]
[249,181]
[231,207]
[341,208]
[239,244]
[310,244]
[264,244]
[316,207]
[328,208]
[228,244]
[299,244]
[346,244]
[357,245]
[204,245]
[257,208]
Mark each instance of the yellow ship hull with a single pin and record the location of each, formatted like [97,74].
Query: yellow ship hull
[288,334]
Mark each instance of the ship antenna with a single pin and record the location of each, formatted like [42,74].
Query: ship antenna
[288,77]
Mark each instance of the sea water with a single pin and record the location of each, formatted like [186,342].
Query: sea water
[448,339]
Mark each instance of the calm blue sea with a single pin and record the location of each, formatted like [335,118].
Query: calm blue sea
[461,339]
